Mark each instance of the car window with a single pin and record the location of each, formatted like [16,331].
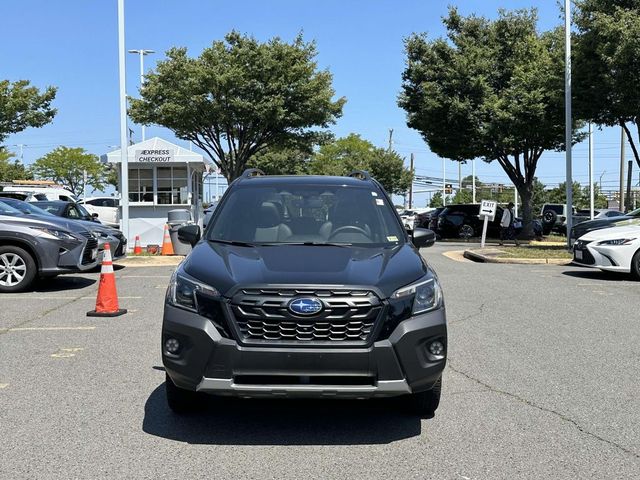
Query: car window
[84,213]
[40,197]
[559,209]
[613,213]
[307,213]
[6,209]
[73,212]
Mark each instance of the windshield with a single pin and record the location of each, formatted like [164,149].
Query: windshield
[634,213]
[6,209]
[25,207]
[83,211]
[315,214]
[50,207]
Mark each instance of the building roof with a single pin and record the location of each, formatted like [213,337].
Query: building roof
[179,154]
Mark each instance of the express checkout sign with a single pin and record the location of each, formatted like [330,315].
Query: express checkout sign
[154,156]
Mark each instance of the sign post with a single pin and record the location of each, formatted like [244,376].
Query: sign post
[488,209]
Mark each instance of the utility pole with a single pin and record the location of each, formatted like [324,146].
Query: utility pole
[591,189]
[621,192]
[411,184]
[567,113]
[390,139]
[444,184]
[628,202]
[515,200]
[142,52]
[473,180]
[459,176]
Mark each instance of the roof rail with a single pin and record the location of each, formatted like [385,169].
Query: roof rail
[252,172]
[360,175]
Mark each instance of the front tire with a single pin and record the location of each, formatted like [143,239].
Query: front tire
[17,269]
[466,231]
[182,401]
[426,403]
[635,265]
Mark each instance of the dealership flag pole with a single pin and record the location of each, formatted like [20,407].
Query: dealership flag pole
[124,163]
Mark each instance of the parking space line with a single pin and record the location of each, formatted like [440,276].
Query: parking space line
[45,329]
[4,385]
[29,297]
[67,352]
[145,276]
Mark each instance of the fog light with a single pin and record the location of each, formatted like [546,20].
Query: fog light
[172,345]
[436,348]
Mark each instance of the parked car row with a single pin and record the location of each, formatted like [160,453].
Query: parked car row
[35,242]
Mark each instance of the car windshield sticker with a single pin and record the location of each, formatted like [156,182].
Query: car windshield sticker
[379,201]
[392,238]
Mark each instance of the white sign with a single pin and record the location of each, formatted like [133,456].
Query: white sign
[154,156]
[488,208]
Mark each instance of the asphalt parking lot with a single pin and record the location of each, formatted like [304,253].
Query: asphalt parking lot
[542,382]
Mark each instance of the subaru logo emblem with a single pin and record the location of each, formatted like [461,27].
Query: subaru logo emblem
[305,306]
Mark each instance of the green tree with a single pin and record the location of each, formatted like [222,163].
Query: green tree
[239,97]
[12,170]
[559,195]
[493,90]
[280,161]
[23,106]
[354,153]
[436,200]
[67,166]
[607,65]
[463,196]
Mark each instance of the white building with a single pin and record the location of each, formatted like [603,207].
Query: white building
[162,177]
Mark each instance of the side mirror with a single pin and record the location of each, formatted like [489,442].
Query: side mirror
[423,237]
[94,215]
[189,234]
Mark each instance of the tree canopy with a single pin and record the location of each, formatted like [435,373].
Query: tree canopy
[607,65]
[23,106]
[355,153]
[67,165]
[493,89]
[12,170]
[239,97]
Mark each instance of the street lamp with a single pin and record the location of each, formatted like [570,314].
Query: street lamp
[142,53]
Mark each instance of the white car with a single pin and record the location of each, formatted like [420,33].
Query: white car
[615,249]
[107,209]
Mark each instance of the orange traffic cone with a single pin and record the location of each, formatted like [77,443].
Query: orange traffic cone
[167,246]
[107,301]
[137,249]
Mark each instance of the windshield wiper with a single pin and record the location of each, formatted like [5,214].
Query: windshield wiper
[231,242]
[314,244]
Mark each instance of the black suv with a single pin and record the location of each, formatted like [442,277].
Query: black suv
[304,286]
[462,221]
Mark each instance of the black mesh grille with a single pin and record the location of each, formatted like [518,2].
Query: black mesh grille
[348,317]
[587,258]
[91,245]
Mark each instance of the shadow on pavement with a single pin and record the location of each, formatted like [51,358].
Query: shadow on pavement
[229,421]
[594,274]
[61,283]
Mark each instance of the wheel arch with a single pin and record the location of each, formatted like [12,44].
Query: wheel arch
[17,242]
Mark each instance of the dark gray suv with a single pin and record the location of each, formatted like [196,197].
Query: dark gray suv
[305,286]
[31,248]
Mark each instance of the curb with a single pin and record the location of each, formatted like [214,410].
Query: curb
[478,257]
[149,261]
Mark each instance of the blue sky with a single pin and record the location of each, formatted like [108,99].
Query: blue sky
[73,44]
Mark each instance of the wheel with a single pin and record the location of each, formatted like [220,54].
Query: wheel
[426,403]
[181,400]
[635,265]
[17,269]
[466,231]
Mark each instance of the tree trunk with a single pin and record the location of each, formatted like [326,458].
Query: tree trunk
[526,195]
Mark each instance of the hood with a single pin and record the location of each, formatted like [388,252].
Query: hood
[44,221]
[605,222]
[226,266]
[628,231]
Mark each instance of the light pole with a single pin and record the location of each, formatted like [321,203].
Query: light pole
[591,192]
[124,159]
[567,115]
[142,52]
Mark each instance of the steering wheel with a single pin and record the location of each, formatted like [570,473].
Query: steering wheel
[347,228]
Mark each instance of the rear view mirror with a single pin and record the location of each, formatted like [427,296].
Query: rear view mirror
[423,237]
[189,234]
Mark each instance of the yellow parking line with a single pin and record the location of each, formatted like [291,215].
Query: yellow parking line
[67,352]
[4,385]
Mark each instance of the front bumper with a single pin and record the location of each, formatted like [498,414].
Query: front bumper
[612,258]
[210,363]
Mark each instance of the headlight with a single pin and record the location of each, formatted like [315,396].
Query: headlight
[617,241]
[427,295]
[61,234]
[183,288]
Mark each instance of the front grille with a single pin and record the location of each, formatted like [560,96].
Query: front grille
[587,258]
[91,244]
[348,317]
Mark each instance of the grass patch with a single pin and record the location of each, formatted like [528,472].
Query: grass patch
[536,252]
[555,238]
